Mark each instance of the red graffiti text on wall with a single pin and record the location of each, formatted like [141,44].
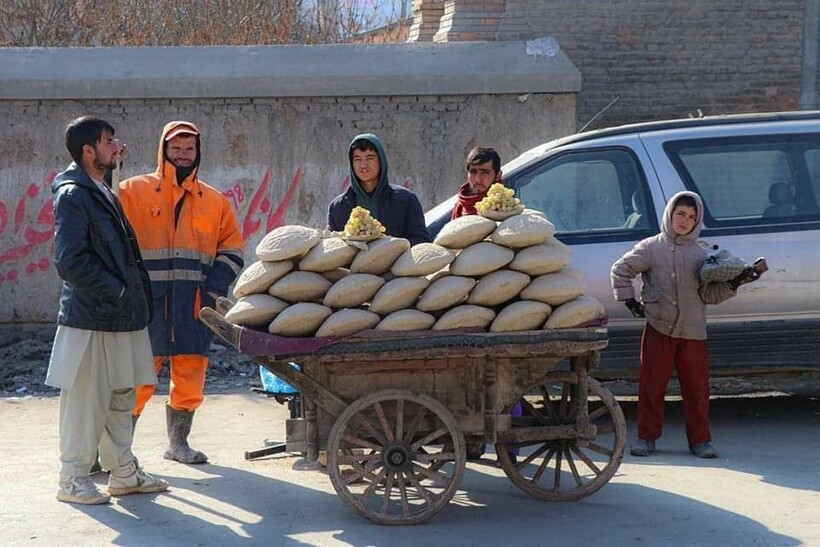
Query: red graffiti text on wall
[29,236]
[260,210]
[27,223]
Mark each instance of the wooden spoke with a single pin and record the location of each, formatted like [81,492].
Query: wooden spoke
[575,462]
[399,419]
[595,447]
[387,429]
[387,490]
[440,457]
[548,404]
[414,425]
[562,405]
[528,407]
[532,457]
[597,413]
[543,466]
[428,439]
[589,463]
[363,472]
[575,475]
[407,438]
[363,422]
[360,443]
[422,491]
[438,478]
[353,458]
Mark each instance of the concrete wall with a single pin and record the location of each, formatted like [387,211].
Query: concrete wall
[276,123]
[663,58]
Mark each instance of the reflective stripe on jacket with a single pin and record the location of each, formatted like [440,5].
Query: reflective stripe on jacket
[191,244]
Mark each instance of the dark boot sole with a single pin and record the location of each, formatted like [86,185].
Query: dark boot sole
[195,460]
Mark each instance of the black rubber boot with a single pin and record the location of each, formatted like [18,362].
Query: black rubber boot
[179,427]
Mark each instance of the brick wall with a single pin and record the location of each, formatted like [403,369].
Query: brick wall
[664,58]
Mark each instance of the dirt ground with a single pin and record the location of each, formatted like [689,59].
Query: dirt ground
[763,490]
[25,351]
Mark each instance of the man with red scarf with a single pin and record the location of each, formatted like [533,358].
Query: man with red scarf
[483,166]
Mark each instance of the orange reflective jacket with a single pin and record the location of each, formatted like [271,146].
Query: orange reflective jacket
[191,246]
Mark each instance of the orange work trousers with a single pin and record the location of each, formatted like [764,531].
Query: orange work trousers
[186,386]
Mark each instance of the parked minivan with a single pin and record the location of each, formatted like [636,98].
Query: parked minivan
[759,177]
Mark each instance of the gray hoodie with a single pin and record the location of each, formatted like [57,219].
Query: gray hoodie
[669,265]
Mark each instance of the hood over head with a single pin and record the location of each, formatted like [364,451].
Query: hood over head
[171,130]
[666,225]
[363,199]
[377,144]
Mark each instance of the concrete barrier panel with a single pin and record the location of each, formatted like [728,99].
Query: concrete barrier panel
[276,123]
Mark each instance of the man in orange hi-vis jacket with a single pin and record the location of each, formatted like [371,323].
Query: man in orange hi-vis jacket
[192,248]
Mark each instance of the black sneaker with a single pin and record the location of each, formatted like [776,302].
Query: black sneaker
[642,448]
[703,450]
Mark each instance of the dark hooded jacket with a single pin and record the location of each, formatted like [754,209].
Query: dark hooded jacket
[669,265]
[397,208]
[105,286]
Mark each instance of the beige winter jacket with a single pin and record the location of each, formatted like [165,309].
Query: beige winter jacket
[669,265]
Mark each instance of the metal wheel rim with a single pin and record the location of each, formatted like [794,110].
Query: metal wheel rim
[567,469]
[411,429]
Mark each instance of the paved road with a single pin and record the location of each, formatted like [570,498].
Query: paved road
[763,490]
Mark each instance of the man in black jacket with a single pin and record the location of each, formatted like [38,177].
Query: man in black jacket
[101,349]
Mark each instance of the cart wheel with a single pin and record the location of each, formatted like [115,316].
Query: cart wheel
[387,459]
[569,467]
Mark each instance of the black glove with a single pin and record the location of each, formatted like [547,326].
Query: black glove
[636,308]
[207,299]
[746,276]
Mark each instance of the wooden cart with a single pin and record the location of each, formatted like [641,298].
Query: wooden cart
[396,411]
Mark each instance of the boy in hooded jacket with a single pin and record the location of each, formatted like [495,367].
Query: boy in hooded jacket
[397,208]
[673,300]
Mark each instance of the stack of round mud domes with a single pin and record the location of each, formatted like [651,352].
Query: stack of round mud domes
[511,275]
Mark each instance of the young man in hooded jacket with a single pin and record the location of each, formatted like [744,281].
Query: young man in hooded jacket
[193,250]
[397,208]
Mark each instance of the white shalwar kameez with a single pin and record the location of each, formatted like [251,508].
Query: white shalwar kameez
[96,372]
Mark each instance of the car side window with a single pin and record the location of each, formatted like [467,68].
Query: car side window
[752,180]
[812,158]
[589,191]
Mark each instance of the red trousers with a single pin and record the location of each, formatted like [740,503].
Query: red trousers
[660,356]
[186,387]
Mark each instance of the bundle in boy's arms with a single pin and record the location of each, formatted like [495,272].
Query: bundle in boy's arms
[721,265]
[499,271]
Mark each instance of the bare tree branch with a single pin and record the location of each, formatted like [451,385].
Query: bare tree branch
[60,23]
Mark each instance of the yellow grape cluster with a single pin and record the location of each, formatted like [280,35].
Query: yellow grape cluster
[499,198]
[362,224]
